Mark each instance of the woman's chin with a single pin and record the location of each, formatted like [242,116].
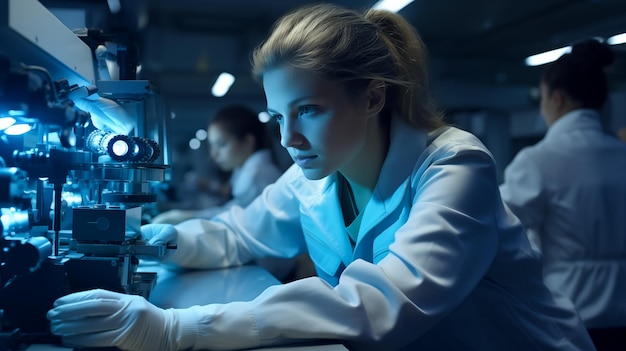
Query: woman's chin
[314,173]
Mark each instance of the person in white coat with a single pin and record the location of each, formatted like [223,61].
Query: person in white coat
[569,190]
[400,214]
[238,143]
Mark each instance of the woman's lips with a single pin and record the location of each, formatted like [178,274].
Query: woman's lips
[304,161]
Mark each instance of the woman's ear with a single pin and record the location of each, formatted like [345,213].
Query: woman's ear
[376,97]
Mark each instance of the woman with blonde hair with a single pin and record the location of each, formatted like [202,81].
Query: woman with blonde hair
[400,214]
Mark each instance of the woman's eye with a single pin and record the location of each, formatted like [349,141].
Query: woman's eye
[307,110]
[277,117]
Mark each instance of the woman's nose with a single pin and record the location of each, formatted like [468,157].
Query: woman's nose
[290,135]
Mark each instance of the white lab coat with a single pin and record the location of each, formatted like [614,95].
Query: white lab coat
[570,189]
[439,263]
[247,182]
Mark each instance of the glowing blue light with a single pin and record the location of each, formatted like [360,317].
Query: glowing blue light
[18,129]
[6,122]
[120,148]
[17,113]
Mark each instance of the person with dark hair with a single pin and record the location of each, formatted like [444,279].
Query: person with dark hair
[238,143]
[400,213]
[569,190]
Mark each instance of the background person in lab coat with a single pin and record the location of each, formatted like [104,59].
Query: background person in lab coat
[400,213]
[570,191]
[239,143]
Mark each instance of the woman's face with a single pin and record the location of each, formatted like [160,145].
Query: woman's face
[322,128]
[226,149]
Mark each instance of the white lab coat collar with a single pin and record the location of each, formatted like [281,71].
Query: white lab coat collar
[577,119]
[405,147]
[320,196]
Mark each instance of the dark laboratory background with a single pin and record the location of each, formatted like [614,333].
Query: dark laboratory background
[477,58]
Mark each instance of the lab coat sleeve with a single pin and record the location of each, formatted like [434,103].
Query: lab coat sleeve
[254,183]
[522,189]
[440,254]
[268,227]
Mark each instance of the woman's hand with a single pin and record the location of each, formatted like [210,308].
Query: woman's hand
[159,234]
[101,318]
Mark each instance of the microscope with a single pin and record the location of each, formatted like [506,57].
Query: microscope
[79,158]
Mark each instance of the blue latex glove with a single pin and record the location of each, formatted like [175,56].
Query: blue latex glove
[159,234]
[101,318]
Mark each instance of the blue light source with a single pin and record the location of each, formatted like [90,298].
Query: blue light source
[6,122]
[18,129]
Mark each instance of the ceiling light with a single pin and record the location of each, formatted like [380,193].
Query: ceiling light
[617,39]
[546,57]
[194,144]
[201,134]
[391,5]
[264,117]
[222,84]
